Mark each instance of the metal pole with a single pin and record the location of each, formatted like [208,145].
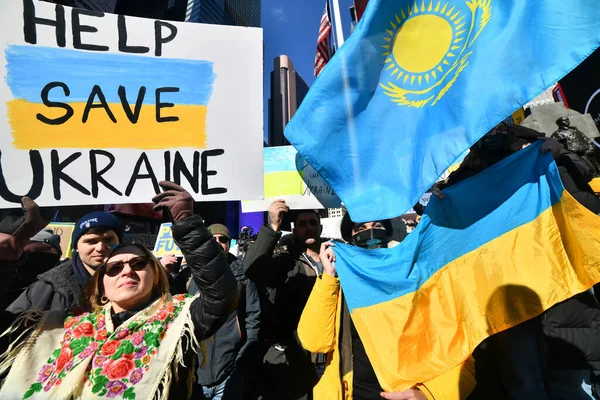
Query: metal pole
[337,22]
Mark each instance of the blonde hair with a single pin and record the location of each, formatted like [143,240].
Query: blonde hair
[160,287]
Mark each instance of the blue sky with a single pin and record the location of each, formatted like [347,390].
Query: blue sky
[291,28]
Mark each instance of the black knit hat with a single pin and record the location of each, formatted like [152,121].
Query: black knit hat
[93,220]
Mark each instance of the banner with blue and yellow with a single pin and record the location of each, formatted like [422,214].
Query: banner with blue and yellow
[479,262]
[75,74]
[419,81]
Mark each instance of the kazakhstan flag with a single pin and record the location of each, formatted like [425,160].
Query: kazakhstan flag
[419,82]
[479,262]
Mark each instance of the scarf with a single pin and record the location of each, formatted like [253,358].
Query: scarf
[81,274]
[92,359]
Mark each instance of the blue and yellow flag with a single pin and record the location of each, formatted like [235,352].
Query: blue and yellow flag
[418,82]
[479,262]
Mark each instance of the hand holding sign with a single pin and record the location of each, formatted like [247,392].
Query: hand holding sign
[276,210]
[175,200]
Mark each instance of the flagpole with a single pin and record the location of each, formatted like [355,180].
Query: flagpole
[337,22]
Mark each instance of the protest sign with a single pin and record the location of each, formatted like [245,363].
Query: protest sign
[165,244]
[147,240]
[288,176]
[98,108]
[64,230]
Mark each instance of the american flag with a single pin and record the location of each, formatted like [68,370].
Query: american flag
[323,43]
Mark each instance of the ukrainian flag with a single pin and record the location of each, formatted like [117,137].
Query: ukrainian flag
[480,261]
[419,81]
[133,116]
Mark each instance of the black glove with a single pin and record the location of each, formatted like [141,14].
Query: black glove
[175,201]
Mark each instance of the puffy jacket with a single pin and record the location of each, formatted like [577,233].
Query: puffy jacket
[239,331]
[216,284]
[54,289]
[211,273]
[319,331]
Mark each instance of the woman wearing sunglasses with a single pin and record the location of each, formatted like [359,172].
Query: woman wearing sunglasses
[137,342]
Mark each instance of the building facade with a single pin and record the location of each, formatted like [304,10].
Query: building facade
[224,12]
[288,89]
[245,12]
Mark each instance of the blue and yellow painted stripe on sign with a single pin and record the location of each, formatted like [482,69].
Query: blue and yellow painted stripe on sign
[31,68]
[281,174]
[480,261]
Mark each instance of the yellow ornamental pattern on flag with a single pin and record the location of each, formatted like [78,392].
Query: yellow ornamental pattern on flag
[427,46]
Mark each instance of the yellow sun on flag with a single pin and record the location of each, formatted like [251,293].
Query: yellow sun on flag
[427,46]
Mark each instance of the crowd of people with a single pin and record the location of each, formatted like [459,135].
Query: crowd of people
[273,324]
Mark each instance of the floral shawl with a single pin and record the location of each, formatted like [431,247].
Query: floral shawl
[92,359]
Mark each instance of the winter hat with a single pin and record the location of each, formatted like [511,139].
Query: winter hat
[347,224]
[94,220]
[218,229]
[47,236]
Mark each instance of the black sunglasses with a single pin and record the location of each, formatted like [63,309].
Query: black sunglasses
[222,239]
[137,264]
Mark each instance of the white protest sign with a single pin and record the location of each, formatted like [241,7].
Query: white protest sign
[97,108]
[331,227]
[289,177]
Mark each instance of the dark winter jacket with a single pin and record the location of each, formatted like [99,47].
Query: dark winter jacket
[572,332]
[576,174]
[211,274]
[54,289]
[226,348]
[288,278]
[215,282]
[546,357]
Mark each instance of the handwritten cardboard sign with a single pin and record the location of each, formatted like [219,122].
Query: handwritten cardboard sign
[64,230]
[98,108]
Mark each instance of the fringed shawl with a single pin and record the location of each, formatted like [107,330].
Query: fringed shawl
[86,357]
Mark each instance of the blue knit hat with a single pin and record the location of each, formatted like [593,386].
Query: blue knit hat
[94,220]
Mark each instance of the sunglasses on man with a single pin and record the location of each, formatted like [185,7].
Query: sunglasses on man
[137,264]
[222,239]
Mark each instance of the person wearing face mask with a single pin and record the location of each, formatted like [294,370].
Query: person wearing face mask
[326,327]
[285,275]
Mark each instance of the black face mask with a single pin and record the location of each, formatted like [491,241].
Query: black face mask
[371,238]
